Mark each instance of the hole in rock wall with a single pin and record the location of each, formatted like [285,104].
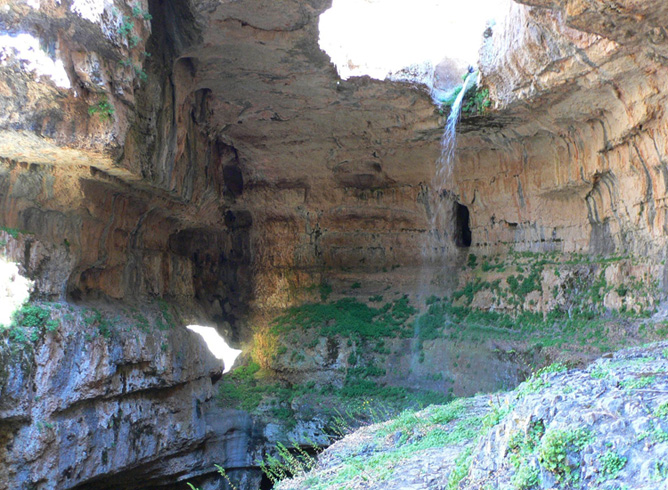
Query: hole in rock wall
[217,345]
[265,483]
[41,60]
[234,179]
[462,226]
[427,41]
[14,290]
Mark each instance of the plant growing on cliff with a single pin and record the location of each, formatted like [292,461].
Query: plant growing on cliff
[476,100]
[30,321]
[288,462]
[139,12]
[557,445]
[126,30]
[103,109]
[477,103]
[526,477]
[611,464]
[12,232]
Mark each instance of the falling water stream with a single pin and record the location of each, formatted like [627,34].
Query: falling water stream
[449,139]
[434,245]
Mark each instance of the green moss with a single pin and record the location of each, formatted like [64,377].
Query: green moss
[241,389]
[105,326]
[13,232]
[166,319]
[142,322]
[325,290]
[348,318]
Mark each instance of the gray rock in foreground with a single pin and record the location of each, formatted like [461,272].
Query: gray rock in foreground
[603,427]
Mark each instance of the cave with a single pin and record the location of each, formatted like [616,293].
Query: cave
[462,232]
[301,184]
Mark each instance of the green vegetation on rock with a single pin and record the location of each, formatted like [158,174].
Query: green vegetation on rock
[103,109]
[559,452]
[347,317]
[611,464]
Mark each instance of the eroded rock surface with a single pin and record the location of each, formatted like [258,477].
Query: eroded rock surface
[206,153]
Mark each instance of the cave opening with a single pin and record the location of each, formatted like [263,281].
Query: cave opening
[217,345]
[266,483]
[462,233]
[431,42]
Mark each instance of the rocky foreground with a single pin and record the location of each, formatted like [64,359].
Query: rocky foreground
[603,427]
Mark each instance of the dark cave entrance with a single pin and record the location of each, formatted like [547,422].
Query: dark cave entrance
[462,228]
[266,484]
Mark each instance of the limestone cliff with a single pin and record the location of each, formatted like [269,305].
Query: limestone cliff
[203,160]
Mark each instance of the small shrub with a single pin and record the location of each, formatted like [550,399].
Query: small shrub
[555,448]
[31,316]
[12,232]
[103,109]
[526,477]
[140,13]
[662,411]
[126,27]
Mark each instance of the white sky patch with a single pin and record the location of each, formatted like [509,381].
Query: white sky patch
[217,345]
[91,10]
[376,37]
[14,290]
[26,48]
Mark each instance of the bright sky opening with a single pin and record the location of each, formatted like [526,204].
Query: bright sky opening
[377,37]
[217,345]
[26,48]
[14,290]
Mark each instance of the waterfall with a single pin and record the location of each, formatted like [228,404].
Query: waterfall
[434,245]
[436,211]
[449,138]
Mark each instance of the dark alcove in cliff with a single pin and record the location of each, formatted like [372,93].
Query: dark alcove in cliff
[266,483]
[462,229]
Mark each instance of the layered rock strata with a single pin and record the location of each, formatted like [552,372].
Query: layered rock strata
[207,153]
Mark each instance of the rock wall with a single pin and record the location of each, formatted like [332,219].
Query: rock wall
[573,157]
[207,153]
